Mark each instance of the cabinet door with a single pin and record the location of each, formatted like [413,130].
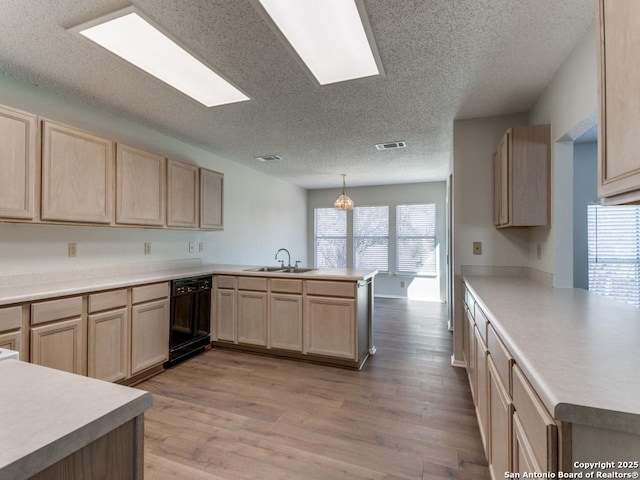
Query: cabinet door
[12,341]
[500,416]
[505,181]
[497,193]
[211,199]
[149,334]
[252,317]
[285,321]
[482,396]
[59,345]
[140,187]
[226,314]
[471,363]
[18,135]
[108,346]
[523,458]
[77,175]
[330,327]
[183,194]
[619,143]
[466,338]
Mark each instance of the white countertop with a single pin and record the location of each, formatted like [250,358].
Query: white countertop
[27,292]
[48,414]
[579,350]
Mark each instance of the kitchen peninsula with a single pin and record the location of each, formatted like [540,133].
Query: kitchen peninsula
[322,315]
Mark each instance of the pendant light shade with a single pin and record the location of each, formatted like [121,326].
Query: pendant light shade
[343,202]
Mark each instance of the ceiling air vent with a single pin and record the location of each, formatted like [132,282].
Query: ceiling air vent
[268,158]
[390,145]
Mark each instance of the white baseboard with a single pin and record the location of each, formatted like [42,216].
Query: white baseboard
[457,363]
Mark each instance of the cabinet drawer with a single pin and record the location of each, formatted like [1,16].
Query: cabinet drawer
[10,318]
[56,310]
[501,357]
[147,293]
[252,283]
[107,300]
[282,285]
[225,281]
[537,424]
[481,322]
[331,289]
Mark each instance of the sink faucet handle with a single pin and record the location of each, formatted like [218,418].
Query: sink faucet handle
[281,263]
[298,262]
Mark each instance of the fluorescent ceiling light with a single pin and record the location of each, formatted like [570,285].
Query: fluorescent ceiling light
[328,35]
[131,37]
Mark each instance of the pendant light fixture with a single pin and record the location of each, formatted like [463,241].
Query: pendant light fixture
[343,202]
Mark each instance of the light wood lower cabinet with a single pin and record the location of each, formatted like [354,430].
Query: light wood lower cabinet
[330,327]
[472,360]
[11,330]
[252,317]
[500,428]
[482,373]
[523,458]
[18,149]
[12,341]
[58,335]
[108,350]
[286,321]
[226,315]
[59,345]
[149,334]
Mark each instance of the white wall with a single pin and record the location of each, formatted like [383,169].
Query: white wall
[392,195]
[569,105]
[585,192]
[261,213]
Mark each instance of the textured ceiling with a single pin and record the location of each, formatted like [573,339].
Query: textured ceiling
[443,59]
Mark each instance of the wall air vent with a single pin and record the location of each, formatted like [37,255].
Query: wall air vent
[390,145]
[268,158]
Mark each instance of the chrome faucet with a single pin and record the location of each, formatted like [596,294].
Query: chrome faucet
[282,261]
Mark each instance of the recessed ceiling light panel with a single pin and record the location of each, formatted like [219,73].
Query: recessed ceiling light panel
[331,37]
[130,36]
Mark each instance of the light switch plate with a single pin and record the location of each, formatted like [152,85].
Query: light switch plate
[477,248]
[192,247]
[147,248]
[72,249]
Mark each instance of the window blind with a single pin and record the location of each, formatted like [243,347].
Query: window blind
[416,233]
[371,238]
[330,238]
[614,251]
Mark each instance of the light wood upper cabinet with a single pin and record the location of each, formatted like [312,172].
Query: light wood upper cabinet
[211,199]
[183,194]
[140,186]
[522,192]
[619,96]
[18,147]
[77,175]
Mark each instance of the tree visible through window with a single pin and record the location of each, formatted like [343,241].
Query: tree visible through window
[371,238]
[330,238]
[614,252]
[416,233]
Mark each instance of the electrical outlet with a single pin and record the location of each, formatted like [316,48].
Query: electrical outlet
[201,247]
[72,249]
[477,248]
[192,247]
[539,251]
[402,284]
[147,248]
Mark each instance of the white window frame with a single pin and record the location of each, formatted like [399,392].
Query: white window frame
[398,237]
[357,237]
[344,237]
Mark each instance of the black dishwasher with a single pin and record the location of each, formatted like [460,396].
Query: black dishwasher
[190,318]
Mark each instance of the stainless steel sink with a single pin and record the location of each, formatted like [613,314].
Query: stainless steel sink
[265,269]
[279,269]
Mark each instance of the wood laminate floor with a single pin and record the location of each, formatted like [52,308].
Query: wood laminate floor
[227,415]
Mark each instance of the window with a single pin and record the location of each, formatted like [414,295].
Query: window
[416,232]
[371,238]
[330,238]
[614,252]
